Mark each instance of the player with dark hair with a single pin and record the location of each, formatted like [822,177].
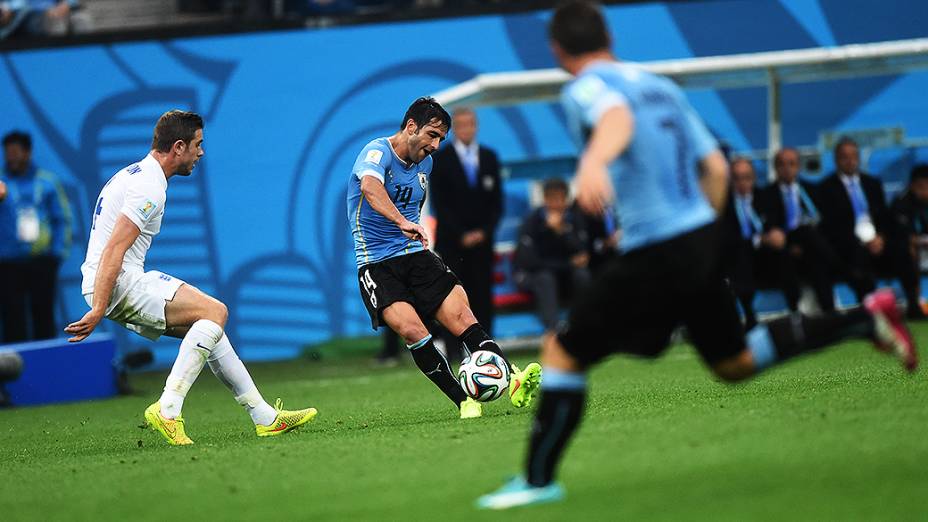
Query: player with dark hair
[402,283]
[643,139]
[126,218]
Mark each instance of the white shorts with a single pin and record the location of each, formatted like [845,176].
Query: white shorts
[141,305]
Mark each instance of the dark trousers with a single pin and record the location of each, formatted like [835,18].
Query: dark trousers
[895,261]
[27,298]
[547,285]
[749,268]
[818,264]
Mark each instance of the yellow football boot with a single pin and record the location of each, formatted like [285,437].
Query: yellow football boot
[524,384]
[171,429]
[285,421]
[471,409]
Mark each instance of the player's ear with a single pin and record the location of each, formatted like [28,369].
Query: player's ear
[179,147]
[411,127]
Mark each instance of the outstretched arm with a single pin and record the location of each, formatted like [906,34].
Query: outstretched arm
[125,232]
[375,193]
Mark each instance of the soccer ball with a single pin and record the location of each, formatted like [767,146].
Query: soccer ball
[484,375]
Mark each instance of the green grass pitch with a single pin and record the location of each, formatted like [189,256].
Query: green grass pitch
[837,436]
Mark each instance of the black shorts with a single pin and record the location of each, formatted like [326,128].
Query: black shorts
[420,279]
[640,298]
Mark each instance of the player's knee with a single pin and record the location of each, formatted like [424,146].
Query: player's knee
[463,319]
[217,312]
[734,369]
[413,332]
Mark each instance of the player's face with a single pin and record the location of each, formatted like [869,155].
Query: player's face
[191,153]
[787,166]
[425,140]
[742,177]
[16,157]
[847,157]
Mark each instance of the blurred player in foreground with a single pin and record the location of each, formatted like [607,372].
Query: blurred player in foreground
[126,217]
[672,181]
[402,283]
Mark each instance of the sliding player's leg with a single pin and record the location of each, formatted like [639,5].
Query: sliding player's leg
[198,319]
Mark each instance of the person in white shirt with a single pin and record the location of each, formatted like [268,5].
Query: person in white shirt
[126,216]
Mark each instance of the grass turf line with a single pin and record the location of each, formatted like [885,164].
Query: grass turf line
[834,436]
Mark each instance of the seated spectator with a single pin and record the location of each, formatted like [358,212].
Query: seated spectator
[35,234]
[788,206]
[42,18]
[910,212]
[551,257]
[751,253]
[857,223]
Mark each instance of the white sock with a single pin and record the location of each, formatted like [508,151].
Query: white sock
[229,369]
[194,350]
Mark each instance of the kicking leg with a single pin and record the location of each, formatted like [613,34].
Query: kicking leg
[209,314]
[403,319]
[455,314]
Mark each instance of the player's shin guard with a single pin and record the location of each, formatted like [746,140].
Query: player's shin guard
[476,338]
[230,370]
[563,395]
[194,350]
[434,365]
[793,335]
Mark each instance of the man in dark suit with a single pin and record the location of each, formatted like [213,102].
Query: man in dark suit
[750,253]
[467,202]
[788,206]
[857,223]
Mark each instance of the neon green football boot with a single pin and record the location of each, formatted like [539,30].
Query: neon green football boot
[524,384]
[285,421]
[471,409]
[172,429]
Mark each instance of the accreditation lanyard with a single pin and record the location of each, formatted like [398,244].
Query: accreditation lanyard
[748,218]
[27,213]
[809,217]
[863,226]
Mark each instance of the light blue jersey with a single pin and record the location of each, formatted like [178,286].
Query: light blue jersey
[375,237]
[656,178]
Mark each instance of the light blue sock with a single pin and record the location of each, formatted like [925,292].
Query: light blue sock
[560,380]
[420,343]
[761,346]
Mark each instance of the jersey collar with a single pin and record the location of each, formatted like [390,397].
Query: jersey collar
[151,163]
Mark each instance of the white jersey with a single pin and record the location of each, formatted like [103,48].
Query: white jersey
[137,192]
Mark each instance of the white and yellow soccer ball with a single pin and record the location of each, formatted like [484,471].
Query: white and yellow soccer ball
[484,375]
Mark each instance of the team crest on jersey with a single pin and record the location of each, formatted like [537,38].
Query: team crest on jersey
[147,209]
[423,180]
